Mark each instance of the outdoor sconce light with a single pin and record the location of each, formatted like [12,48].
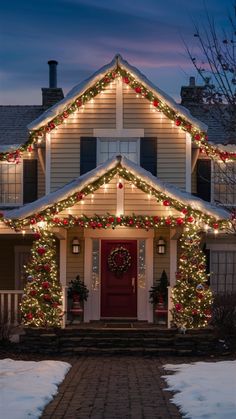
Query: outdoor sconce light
[161,246]
[75,246]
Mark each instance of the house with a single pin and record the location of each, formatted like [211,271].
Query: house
[118,169]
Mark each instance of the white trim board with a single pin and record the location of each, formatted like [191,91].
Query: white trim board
[116,133]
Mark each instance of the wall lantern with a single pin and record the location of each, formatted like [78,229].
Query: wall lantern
[161,246]
[75,246]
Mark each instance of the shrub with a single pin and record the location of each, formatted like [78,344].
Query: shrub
[224,314]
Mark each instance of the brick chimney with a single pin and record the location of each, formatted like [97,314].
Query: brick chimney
[191,94]
[52,94]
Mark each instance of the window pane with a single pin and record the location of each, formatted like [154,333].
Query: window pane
[10,183]
[223,268]
[124,147]
[104,146]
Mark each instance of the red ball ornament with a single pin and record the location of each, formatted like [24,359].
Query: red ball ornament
[65,114]
[118,219]
[99,225]
[126,80]
[32,221]
[215,226]
[78,102]
[166,203]
[190,219]
[107,80]
[37,236]
[65,222]
[111,219]
[56,220]
[41,251]
[55,305]
[120,185]
[46,267]
[47,297]
[178,307]
[194,312]
[155,103]
[178,122]
[45,285]
[29,316]
[138,89]
[80,196]
[33,293]
[179,221]
[185,211]
[197,137]
[156,219]
[168,221]
[131,221]
[52,125]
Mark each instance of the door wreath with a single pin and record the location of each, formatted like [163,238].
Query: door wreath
[119,260]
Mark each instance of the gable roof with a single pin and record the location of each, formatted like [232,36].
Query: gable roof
[14,121]
[117,61]
[115,164]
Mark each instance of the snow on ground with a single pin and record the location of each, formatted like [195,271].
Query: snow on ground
[205,390]
[26,387]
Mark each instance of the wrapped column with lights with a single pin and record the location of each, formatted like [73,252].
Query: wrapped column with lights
[191,295]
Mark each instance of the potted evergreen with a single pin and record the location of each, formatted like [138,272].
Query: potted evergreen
[77,290]
[158,294]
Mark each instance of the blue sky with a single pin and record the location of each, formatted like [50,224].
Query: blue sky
[83,35]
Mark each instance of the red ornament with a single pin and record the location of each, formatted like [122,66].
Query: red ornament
[197,137]
[30,149]
[33,293]
[168,221]
[118,219]
[32,221]
[45,285]
[29,316]
[179,221]
[194,312]
[46,267]
[131,221]
[166,203]
[138,89]
[55,305]
[78,102]
[190,219]
[111,219]
[37,236]
[47,297]
[120,185]
[80,196]
[107,80]
[41,251]
[215,226]
[65,222]
[65,114]
[156,219]
[178,275]
[178,122]
[155,103]
[178,307]
[113,75]
[126,80]
[56,220]
[200,296]
[185,211]
[52,125]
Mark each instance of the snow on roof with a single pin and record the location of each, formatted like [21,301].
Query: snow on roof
[81,182]
[94,78]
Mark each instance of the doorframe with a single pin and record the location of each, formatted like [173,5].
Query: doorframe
[92,307]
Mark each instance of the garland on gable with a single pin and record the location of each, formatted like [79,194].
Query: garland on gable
[198,136]
[50,214]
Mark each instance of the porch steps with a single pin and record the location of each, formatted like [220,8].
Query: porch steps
[102,341]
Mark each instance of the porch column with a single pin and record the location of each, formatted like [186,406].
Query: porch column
[62,264]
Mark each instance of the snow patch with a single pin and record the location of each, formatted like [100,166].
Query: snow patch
[26,387]
[205,390]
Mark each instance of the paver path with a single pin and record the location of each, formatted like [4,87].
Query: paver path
[113,388]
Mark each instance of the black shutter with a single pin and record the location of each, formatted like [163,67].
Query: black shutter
[30,179]
[148,154]
[88,154]
[204,179]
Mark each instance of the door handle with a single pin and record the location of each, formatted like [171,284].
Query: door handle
[133,284]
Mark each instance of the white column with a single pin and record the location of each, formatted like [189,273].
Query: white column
[173,261]
[120,197]
[119,104]
[48,164]
[63,258]
[149,272]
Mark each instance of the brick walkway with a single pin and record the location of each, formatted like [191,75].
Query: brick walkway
[113,388]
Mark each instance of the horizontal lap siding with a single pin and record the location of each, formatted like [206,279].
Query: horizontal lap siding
[65,141]
[137,201]
[171,142]
[75,263]
[103,202]
[161,262]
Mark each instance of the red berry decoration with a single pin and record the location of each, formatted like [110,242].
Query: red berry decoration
[120,185]
[155,103]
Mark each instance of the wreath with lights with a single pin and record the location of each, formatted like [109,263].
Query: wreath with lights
[119,260]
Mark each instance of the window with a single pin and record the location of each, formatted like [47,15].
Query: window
[223,271]
[225,183]
[10,184]
[110,147]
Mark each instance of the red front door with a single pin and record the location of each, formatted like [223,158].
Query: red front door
[119,289]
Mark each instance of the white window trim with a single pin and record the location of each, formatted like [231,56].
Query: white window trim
[188,163]
[20,203]
[100,139]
